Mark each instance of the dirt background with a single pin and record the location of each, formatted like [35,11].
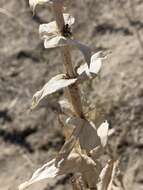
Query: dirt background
[29,139]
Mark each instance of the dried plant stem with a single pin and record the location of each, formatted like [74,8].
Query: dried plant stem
[73,91]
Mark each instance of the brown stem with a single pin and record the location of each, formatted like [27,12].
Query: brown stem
[73,91]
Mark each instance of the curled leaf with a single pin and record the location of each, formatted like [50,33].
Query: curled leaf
[54,167]
[92,69]
[46,171]
[56,83]
[34,3]
[51,29]
[68,161]
[52,37]
[55,41]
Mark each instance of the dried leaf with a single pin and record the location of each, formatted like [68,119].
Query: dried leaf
[52,37]
[86,132]
[107,174]
[103,132]
[96,62]
[55,167]
[48,30]
[67,162]
[46,171]
[55,41]
[83,164]
[51,29]
[34,3]
[56,83]
[86,71]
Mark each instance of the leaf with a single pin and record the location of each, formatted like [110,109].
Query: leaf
[46,171]
[86,71]
[103,132]
[81,163]
[34,3]
[52,38]
[55,41]
[67,161]
[107,174]
[50,30]
[86,132]
[96,63]
[89,136]
[56,83]
[54,167]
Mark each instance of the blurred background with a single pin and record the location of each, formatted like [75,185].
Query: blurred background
[29,139]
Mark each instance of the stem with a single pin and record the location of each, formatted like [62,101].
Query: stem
[73,91]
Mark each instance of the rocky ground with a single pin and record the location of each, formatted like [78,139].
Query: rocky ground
[29,139]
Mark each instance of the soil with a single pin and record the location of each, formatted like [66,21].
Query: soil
[29,139]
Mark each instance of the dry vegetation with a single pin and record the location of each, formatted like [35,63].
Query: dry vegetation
[29,139]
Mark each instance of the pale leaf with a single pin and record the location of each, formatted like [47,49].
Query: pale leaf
[86,71]
[96,63]
[51,30]
[55,41]
[46,171]
[48,30]
[103,132]
[34,3]
[56,83]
